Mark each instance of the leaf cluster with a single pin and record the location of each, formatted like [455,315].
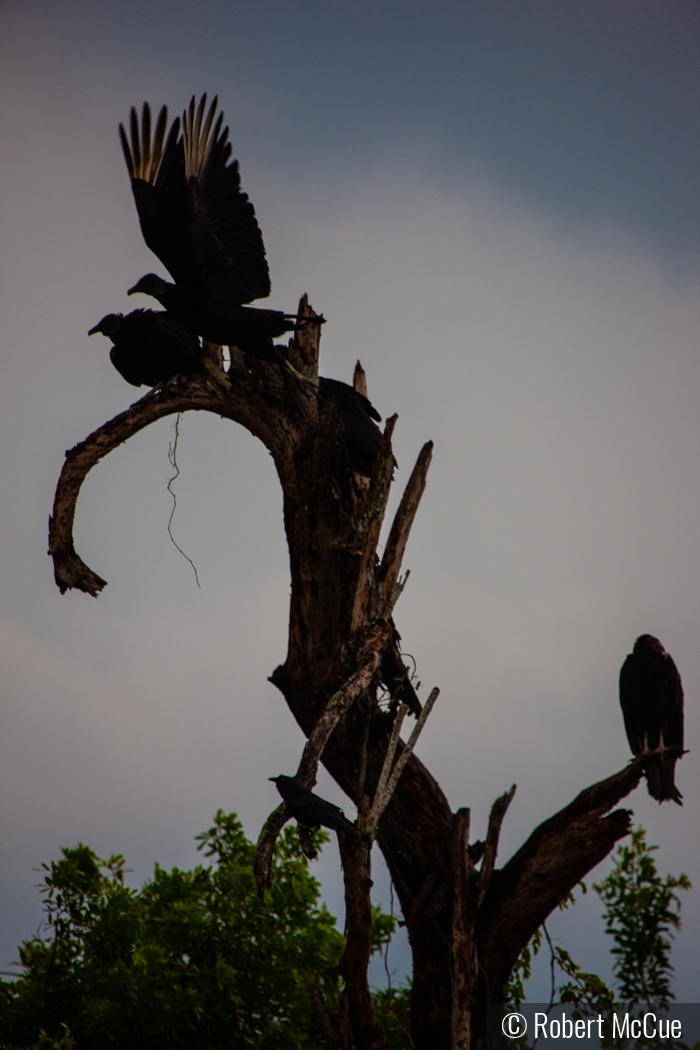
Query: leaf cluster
[642,910]
[191,960]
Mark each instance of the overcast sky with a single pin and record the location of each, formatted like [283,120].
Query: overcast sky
[495,205]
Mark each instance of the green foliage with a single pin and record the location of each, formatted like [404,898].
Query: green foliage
[587,991]
[514,990]
[641,911]
[392,1007]
[383,928]
[192,960]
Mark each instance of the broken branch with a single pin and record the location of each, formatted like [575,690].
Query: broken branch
[388,763]
[498,812]
[388,572]
[556,856]
[371,523]
[359,379]
[381,800]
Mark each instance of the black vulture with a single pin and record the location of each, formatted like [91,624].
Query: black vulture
[651,697]
[362,437]
[394,674]
[311,810]
[357,414]
[150,346]
[196,218]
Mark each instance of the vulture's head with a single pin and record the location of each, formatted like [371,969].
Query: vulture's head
[150,284]
[649,643]
[109,325]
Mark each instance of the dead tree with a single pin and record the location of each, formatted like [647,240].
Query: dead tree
[467,919]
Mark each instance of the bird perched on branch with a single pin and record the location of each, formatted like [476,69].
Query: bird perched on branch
[395,676]
[311,810]
[196,218]
[357,414]
[651,697]
[150,347]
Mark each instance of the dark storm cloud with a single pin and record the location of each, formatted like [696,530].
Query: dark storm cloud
[586,108]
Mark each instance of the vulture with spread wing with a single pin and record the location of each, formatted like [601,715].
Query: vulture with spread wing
[198,221]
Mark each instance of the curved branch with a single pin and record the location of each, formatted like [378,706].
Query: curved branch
[195,392]
[265,847]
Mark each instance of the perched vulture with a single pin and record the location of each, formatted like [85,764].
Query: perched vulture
[394,674]
[311,810]
[362,436]
[357,414]
[196,218]
[651,697]
[150,347]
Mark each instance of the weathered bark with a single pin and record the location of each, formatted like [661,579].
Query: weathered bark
[355,855]
[466,927]
[464,964]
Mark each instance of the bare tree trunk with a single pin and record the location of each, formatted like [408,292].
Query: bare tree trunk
[356,859]
[466,926]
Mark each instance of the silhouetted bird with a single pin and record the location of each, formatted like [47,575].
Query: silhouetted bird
[311,810]
[651,697]
[395,676]
[195,217]
[357,414]
[150,347]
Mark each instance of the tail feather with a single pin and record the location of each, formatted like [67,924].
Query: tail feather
[348,829]
[660,780]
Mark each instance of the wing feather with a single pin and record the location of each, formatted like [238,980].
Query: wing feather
[193,213]
[126,150]
[156,169]
[227,240]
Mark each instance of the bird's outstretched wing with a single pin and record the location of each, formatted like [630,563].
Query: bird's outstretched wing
[156,166]
[225,235]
